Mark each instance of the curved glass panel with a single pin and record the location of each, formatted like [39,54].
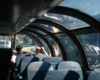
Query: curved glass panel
[52,29]
[28,44]
[32,34]
[45,46]
[40,32]
[71,50]
[90,7]
[55,47]
[5,41]
[91,46]
[64,20]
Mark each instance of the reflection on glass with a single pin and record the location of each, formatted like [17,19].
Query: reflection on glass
[52,29]
[45,46]
[5,41]
[56,48]
[64,20]
[90,7]
[28,44]
[71,50]
[91,46]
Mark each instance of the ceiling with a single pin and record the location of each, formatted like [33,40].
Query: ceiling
[17,14]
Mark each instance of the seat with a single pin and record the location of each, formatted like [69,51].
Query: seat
[68,65]
[18,64]
[41,56]
[37,70]
[24,63]
[53,61]
[5,56]
[67,70]
[92,75]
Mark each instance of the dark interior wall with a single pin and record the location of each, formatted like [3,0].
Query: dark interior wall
[5,56]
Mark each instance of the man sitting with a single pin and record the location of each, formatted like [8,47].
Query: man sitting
[39,50]
[19,50]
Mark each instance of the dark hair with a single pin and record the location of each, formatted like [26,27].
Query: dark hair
[18,48]
[39,49]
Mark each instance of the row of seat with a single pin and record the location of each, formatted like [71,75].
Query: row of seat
[66,70]
[50,68]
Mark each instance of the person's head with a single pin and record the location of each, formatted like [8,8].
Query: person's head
[19,49]
[38,50]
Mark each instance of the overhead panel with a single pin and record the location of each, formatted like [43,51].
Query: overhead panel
[34,10]
[10,12]
[17,14]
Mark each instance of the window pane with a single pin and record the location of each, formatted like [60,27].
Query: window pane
[45,46]
[28,44]
[91,46]
[40,32]
[64,20]
[90,7]
[56,48]
[72,52]
[32,34]
[5,41]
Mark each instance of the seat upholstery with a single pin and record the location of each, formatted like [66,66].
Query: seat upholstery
[67,70]
[64,75]
[37,70]
[68,65]
[41,56]
[92,75]
[53,61]
[18,63]
[24,63]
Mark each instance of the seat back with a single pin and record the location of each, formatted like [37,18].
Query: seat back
[24,63]
[5,56]
[63,75]
[37,70]
[53,61]
[67,70]
[18,63]
[92,75]
[41,56]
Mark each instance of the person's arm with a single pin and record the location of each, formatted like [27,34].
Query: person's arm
[43,50]
[13,60]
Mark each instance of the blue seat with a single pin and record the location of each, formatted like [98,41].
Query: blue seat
[67,70]
[53,61]
[41,56]
[18,64]
[24,63]
[68,65]
[92,75]
[37,70]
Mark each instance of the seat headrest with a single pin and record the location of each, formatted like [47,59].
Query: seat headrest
[92,75]
[39,66]
[52,59]
[29,59]
[68,65]
[41,56]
